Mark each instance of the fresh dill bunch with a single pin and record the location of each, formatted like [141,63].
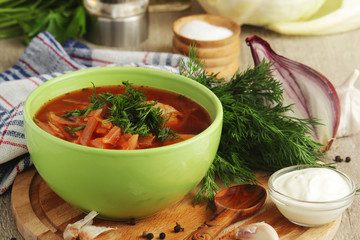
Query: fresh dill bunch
[256,133]
[192,67]
[255,127]
[131,112]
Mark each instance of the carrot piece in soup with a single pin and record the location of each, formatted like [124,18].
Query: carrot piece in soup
[98,143]
[101,130]
[46,127]
[57,130]
[78,133]
[95,113]
[104,127]
[125,137]
[133,141]
[146,141]
[112,136]
[56,119]
[106,124]
[124,141]
[88,131]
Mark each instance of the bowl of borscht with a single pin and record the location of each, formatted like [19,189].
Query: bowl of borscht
[126,142]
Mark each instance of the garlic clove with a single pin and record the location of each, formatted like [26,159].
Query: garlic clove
[257,231]
[72,230]
[90,232]
[349,97]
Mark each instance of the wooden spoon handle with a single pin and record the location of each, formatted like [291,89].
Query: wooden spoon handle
[204,232]
[210,229]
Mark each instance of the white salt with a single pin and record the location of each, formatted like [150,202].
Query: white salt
[200,30]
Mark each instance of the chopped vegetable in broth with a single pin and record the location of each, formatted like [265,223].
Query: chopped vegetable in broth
[123,117]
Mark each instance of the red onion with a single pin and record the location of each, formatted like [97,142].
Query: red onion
[311,93]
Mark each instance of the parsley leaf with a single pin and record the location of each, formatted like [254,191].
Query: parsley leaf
[62,18]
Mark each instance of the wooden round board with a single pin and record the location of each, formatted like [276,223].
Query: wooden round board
[40,214]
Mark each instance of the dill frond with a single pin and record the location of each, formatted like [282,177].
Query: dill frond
[256,132]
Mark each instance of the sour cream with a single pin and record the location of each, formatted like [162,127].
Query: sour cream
[311,196]
[313,184]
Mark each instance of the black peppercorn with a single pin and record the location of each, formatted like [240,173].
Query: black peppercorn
[338,159]
[149,236]
[347,159]
[178,228]
[162,235]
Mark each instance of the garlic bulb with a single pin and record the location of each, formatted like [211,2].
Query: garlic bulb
[349,97]
[255,231]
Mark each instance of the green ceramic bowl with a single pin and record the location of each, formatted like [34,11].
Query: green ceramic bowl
[122,184]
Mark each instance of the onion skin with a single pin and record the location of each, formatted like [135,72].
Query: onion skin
[311,93]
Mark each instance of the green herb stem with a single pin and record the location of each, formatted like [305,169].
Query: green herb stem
[61,18]
[256,132]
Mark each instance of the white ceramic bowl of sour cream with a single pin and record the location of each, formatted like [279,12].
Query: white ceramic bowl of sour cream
[311,195]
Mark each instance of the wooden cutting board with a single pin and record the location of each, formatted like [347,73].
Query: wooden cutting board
[40,214]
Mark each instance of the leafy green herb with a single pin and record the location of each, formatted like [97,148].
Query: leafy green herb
[62,18]
[131,112]
[74,113]
[256,133]
[71,129]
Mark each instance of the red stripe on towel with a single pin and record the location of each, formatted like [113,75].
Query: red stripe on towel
[6,101]
[29,66]
[33,81]
[57,53]
[7,126]
[14,144]
[145,57]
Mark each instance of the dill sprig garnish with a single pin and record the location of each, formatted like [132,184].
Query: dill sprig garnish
[72,129]
[131,112]
[256,133]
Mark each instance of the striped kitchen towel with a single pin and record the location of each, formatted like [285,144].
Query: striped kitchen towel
[44,59]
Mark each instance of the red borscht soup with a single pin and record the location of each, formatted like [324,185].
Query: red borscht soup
[122,117]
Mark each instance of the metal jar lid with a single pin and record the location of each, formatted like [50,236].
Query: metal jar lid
[117,23]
